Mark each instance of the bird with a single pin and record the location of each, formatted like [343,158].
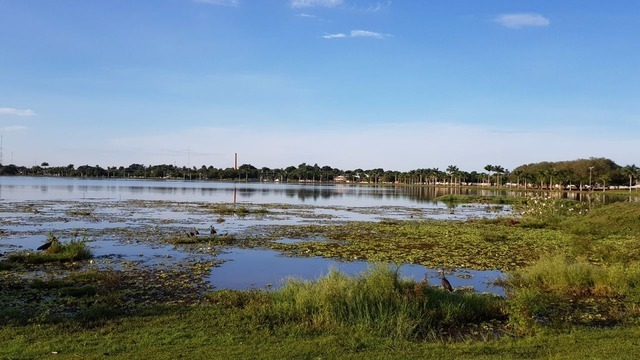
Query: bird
[212,230]
[445,283]
[48,244]
[192,233]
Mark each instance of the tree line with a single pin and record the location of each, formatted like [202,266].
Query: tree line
[581,173]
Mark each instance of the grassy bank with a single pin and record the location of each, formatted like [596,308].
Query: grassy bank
[211,331]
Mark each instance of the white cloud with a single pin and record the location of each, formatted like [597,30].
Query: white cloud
[306,15]
[357,33]
[219,2]
[16,112]
[334,36]
[315,3]
[516,21]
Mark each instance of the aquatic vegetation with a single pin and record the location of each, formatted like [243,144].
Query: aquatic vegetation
[479,244]
[228,209]
[57,252]
[215,239]
[549,212]
[80,212]
[91,297]
[481,199]
[559,292]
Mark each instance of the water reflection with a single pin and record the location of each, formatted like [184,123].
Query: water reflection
[250,268]
[31,188]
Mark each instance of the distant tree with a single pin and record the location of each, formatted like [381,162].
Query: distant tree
[631,171]
[489,168]
[452,170]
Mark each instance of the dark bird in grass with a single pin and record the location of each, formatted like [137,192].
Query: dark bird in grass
[193,233]
[445,283]
[212,230]
[48,244]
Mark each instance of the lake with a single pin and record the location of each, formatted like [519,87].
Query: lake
[128,218]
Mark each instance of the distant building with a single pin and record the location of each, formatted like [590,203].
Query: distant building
[340,178]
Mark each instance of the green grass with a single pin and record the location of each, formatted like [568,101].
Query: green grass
[560,292]
[74,250]
[378,300]
[212,331]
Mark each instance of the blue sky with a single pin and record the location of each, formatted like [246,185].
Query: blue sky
[347,83]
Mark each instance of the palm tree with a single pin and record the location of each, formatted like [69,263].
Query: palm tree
[452,170]
[499,170]
[489,169]
[631,171]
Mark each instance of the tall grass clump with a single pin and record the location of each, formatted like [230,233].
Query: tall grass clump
[559,292]
[74,250]
[378,300]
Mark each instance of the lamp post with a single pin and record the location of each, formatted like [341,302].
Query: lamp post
[590,168]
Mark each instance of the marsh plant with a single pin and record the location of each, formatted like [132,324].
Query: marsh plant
[73,250]
[379,300]
[561,292]
[548,211]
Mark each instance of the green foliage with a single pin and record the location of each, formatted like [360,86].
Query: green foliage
[549,212]
[559,292]
[621,218]
[214,240]
[226,209]
[237,298]
[481,244]
[480,199]
[74,250]
[378,300]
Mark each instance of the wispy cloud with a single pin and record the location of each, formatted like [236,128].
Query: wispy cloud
[296,4]
[306,15]
[17,112]
[357,33]
[517,21]
[379,6]
[219,2]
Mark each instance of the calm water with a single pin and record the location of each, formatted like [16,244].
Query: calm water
[249,268]
[55,198]
[44,188]
[32,188]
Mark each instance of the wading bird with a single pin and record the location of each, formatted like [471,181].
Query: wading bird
[445,283]
[48,244]
[212,230]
